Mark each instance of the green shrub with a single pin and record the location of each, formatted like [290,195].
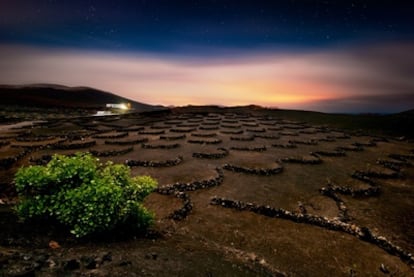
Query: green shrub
[83,194]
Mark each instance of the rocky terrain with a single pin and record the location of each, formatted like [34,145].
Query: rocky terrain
[242,192]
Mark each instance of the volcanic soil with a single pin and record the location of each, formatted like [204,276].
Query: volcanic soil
[239,194]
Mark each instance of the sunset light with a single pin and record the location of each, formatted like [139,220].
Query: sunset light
[206,138]
[309,80]
[323,56]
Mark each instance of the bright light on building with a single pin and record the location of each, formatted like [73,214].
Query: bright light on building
[121,106]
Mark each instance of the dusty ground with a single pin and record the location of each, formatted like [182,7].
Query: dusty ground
[193,236]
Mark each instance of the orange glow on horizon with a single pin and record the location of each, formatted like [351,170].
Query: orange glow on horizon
[284,80]
[270,94]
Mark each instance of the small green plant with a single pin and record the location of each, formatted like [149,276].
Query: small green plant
[83,194]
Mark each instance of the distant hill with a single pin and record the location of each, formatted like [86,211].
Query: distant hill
[57,96]
[409,112]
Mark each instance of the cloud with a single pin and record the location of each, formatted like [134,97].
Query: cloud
[353,79]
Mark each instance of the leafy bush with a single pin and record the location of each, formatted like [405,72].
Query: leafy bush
[83,194]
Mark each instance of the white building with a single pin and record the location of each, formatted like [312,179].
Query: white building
[121,106]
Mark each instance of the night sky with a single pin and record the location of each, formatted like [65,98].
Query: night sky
[332,56]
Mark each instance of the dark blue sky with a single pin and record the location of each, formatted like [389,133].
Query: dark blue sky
[188,26]
[335,56]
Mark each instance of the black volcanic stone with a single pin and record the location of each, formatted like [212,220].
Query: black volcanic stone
[72,264]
